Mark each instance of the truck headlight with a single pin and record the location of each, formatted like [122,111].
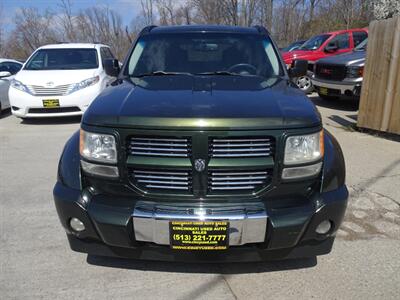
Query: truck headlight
[84,84]
[354,72]
[19,86]
[98,147]
[303,149]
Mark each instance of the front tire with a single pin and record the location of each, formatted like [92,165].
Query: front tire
[304,83]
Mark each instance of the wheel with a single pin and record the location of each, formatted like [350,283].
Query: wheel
[304,83]
[327,97]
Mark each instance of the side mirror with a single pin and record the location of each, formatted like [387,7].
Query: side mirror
[111,66]
[5,74]
[332,47]
[299,68]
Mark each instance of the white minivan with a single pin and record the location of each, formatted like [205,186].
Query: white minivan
[60,80]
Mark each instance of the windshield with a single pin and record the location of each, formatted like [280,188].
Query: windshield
[315,42]
[362,46]
[204,53]
[63,59]
[293,46]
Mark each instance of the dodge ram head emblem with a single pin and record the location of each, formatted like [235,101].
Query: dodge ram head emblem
[199,165]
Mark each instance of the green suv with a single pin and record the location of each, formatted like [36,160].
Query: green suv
[202,150]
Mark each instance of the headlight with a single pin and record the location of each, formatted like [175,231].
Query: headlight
[19,86]
[354,72]
[304,148]
[84,84]
[98,147]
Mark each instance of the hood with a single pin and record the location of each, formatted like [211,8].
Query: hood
[296,54]
[57,77]
[214,102]
[354,58]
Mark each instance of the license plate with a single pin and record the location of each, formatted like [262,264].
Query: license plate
[323,90]
[199,235]
[51,103]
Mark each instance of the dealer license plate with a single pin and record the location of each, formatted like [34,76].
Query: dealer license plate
[199,235]
[51,103]
[323,91]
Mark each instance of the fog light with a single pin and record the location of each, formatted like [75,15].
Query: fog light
[77,225]
[324,227]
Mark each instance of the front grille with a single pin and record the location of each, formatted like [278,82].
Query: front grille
[332,72]
[53,110]
[152,146]
[238,180]
[241,147]
[164,180]
[59,90]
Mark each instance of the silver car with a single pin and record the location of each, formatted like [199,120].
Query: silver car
[8,69]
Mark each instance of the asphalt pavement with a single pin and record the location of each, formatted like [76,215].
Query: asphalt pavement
[36,262]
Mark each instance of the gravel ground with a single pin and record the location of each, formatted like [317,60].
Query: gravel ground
[36,261]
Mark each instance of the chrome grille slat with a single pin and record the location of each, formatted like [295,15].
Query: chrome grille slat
[158,149]
[239,173]
[245,187]
[166,187]
[59,90]
[158,154]
[162,182]
[153,146]
[237,180]
[241,140]
[157,144]
[158,179]
[241,147]
[240,155]
[241,150]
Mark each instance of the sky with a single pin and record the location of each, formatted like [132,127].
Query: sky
[128,9]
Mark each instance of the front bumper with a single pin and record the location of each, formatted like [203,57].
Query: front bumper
[24,105]
[339,88]
[136,228]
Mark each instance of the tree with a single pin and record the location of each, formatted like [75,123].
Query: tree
[384,9]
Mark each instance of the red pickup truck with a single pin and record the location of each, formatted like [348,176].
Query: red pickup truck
[323,45]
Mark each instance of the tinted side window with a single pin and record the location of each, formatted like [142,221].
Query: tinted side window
[342,40]
[105,54]
[358,37]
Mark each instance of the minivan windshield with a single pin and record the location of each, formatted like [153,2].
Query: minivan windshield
[63,59]
[315,42]
[204,54]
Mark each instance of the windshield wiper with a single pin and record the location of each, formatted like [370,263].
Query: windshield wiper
[161,73]
[219,73]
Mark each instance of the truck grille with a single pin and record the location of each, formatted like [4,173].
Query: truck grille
[332,72]
[166,179]
[241,147]
[237,180]
[151,146]
[59,90]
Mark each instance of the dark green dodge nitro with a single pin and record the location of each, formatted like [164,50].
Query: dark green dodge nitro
[202,150]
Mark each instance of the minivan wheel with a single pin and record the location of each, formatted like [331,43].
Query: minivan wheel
[304,83]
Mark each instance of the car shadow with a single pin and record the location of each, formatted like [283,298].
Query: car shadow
[343,104]
[205,268]
[52,121]
[5,113]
